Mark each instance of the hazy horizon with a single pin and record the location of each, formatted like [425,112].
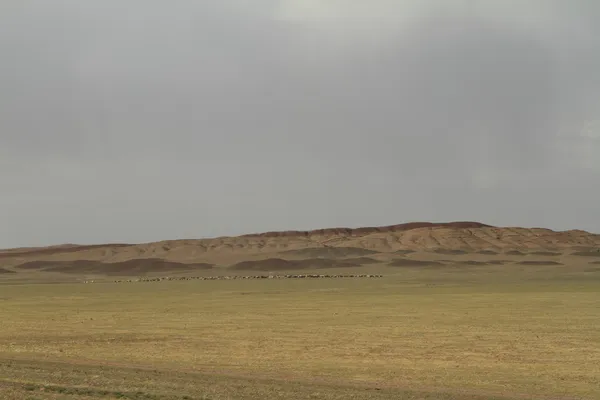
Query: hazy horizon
[143,121]
[260,232]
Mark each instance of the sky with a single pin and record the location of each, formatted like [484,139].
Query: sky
[142,120]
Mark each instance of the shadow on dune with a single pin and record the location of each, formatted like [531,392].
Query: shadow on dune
[279,264]
[450,252]
[476,262]
[125,268]
[539,262]
[361,260]
[325,252]
[59,250]
[499,262]
[406,251]
[589,253]
[545,253]
[472,262]
[404,262]
[514,253]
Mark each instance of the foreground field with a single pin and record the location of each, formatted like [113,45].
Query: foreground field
[456,333]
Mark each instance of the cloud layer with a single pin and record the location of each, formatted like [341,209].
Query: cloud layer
[137,121]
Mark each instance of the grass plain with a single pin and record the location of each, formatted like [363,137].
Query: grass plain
[460,332]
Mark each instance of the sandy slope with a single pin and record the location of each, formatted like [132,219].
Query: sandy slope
[470,237]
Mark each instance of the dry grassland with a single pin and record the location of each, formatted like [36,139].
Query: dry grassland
[493,332]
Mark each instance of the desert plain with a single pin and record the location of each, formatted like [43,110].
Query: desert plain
[448,311]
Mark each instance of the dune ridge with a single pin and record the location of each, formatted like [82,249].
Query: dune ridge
[440,238]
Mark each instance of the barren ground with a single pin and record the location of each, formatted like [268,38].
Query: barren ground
[516,319]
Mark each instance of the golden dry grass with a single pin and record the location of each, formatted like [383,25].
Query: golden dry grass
[462,333]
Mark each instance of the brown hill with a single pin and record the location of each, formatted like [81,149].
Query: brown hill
[455,238]
[51,250]
[369,230]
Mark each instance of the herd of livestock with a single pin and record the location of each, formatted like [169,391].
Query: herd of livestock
[240,277]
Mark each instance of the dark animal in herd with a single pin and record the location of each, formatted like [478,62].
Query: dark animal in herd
[238,277]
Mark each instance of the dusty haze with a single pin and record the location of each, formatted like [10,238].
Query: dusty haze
[146,120]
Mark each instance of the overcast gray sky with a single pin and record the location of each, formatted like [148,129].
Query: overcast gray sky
[142,120]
